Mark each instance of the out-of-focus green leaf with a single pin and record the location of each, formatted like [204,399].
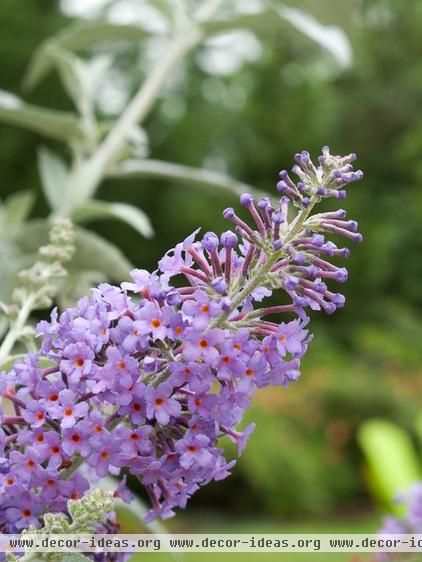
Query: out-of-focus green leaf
[391,457]
[78,284]
[54,176]
[180,173]
[93,253]
[45,363]
[80,78]
[94,210]
[331,38]
[16,210]
[56,124]
[96,253]
[169,8]
[274,18]
[79,36]
[327,11]
[10,361]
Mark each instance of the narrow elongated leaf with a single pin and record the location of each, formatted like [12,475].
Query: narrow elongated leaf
[54,175]
[94,210]
[392,460]
[79,78]
[51,123]
[16,210]
[180,173]
[93,253]
[171,9]
[96,253]
[71,71]
[332,38]
[79,36]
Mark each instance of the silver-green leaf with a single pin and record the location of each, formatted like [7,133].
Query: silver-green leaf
[81,35]
[274,18]
[54,177]
[49,122]
[16,209]
[159,169]
[93,253]
[95,210]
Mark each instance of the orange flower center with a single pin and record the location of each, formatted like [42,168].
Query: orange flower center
[282,338]
[104,455]
[203,343]
[53,397]
[226,360]
[155,323]
[55,450]
[40,415]
[178,330]
[75,438]
[192,449]
[205,309]
[26,513]
[79,362]
[136,407]
[159,401]
[30,463]
[39,437]
[198,401]
[134,437]
[50,482]
[249,372]
[121,365]
[10,481]
[68,411]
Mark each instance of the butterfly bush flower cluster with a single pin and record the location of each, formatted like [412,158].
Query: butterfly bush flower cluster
[147,378]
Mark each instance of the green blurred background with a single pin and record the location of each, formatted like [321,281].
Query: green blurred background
[303,468]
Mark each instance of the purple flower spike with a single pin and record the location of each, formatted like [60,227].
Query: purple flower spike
[147,377]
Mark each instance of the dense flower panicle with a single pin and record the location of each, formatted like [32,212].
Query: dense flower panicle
[150,375]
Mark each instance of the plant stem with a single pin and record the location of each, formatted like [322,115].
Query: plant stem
[16,330]
[95,168]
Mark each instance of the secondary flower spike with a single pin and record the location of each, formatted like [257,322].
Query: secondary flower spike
[150,375]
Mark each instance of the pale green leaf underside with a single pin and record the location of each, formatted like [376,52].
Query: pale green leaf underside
[97,210]
[181,174]
[93,253]
[55,124]
[274,19]
[54,177]
[76,37]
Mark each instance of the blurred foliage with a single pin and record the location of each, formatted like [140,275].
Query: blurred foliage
[366,361]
